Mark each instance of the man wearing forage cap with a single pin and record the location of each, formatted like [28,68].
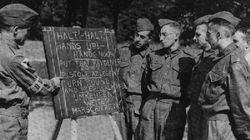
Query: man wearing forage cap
[163,114]
[18,80]
[200,32]
[225,95]
[133,65]
[204,63]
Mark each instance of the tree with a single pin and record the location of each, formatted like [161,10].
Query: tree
[116,7]
[77,12]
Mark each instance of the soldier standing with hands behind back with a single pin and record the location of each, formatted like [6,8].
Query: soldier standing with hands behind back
[133,64]
[17,79]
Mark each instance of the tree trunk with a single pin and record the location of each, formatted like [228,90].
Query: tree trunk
[85,7]
[77,12]
[115,19]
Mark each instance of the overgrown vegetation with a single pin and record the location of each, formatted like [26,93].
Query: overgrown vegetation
[122,14]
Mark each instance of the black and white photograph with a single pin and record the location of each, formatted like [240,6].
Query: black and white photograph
[124,70]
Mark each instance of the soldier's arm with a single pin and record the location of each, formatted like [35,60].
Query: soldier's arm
[124,62]
[27,77]
[239,99]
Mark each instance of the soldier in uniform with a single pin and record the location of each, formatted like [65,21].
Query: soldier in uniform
[133,64]
[200,32]
[163,114]
[200,69]
[225,96]
[242,39]
[18,80]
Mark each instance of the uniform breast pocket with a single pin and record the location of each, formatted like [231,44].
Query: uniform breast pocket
[216,87]
[155,66]
[171,84]
[216,77]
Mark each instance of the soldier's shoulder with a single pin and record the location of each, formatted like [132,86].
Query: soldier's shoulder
[186,59]
[124,49]
[154,56]
[191,52]
[11,62]
[237,56]
[153,47]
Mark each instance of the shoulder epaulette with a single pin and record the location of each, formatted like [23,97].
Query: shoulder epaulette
[237,55]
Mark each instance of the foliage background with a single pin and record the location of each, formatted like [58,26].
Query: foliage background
[121,15]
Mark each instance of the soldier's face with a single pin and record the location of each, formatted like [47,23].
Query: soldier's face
[200,34]
[240,40]
[168,36]
[20,35]
[212,37]
[141,38]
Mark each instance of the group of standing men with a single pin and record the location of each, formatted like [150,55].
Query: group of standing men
[161,81]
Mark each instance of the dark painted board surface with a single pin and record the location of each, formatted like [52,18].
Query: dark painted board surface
[86,58]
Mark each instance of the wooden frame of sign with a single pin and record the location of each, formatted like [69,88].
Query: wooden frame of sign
[86,58]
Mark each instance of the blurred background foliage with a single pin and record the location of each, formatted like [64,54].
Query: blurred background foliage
[121,15]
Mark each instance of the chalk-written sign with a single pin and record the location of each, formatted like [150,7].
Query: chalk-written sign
[86,58]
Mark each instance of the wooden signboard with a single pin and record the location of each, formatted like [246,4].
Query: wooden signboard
[86,58]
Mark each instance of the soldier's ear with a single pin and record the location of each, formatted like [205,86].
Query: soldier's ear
[14,30]
[218,35]
[177,35]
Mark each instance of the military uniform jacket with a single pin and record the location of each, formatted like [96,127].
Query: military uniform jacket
[18,80]
[169,72]
[133,65]
[227,88]
[202,67]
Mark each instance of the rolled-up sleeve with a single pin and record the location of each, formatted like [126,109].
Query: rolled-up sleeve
[239,99]
[27,78]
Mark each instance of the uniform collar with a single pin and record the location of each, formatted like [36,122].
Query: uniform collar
[231,47]
[10,44]
[142,53]
[172,54]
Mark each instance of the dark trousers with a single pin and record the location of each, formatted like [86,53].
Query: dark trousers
[194,122]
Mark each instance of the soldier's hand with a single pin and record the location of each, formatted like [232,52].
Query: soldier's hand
[57,81]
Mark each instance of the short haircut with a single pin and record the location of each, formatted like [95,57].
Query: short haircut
[246,32]
[218,23]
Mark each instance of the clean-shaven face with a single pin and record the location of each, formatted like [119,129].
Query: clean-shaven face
[240,40]
[212,37]
[168,36]
[201,34]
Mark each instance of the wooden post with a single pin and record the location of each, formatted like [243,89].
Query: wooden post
[115,128]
